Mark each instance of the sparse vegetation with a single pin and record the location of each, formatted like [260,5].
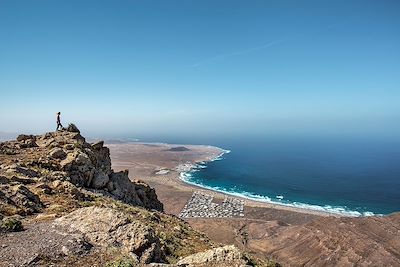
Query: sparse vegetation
[86,204]
[78,145]
[11,224]
[9,210]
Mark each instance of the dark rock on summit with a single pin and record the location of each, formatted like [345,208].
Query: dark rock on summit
[24,137]
[72,128]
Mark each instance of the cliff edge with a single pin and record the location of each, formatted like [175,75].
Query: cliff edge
[66,157]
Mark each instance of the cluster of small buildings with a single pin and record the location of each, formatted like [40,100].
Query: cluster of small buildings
[200,205]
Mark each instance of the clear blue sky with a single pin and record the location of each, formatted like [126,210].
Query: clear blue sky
[159,68]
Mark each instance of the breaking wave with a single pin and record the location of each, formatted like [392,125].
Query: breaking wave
[187,177]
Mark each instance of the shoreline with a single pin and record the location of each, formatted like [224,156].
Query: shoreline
[254,200]
[164,168]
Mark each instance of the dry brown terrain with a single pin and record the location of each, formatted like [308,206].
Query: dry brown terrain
[294,237]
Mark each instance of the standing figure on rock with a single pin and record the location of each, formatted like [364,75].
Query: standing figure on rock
[59,121]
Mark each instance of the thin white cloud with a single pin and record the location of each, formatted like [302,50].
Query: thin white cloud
[237,53]
[267,45]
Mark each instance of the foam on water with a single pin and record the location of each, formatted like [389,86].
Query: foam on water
[279,199]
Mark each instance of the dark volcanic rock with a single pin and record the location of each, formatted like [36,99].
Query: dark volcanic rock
[57,153]
[178,149]
[18,199]
[72,128]
[24,137]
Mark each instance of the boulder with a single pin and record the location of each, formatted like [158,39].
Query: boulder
[98,145]
[69,147]
[136,193]
[43,188]
[23,137]
[100,179]
[27,143]
[222,256]
[111,228]
[57,153]
[72,128]
[17,169]
[6,149]
[4,180]
[69,161]
[67,188]
[76,246]
[82,159]
[18,199]
[30,143]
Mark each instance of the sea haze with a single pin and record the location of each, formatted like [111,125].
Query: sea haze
[345,176]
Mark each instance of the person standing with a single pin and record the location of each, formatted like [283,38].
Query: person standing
[59,121]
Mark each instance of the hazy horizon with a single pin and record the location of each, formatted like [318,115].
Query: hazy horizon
[184,69]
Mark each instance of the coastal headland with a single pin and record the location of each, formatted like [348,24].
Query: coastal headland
[291,235]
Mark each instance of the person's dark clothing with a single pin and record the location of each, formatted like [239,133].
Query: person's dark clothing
[58,122]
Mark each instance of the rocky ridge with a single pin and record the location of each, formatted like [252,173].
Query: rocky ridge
[76,211]
[65,158]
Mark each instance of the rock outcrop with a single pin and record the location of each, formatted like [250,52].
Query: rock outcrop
[108,227]
[222,256]
[66,156]
[18,199]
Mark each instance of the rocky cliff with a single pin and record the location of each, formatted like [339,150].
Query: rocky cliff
[61,204]
[59,159]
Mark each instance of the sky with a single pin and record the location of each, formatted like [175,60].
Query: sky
[194,68]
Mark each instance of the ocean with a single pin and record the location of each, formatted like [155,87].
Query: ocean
[343,176]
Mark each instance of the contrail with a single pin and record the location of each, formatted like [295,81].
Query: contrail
[237,53]
[272,43]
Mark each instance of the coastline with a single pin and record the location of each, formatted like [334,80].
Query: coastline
[256,200]
[187,169]
[163,166]
[150,162]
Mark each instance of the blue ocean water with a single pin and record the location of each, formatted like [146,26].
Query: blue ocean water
[343,176]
